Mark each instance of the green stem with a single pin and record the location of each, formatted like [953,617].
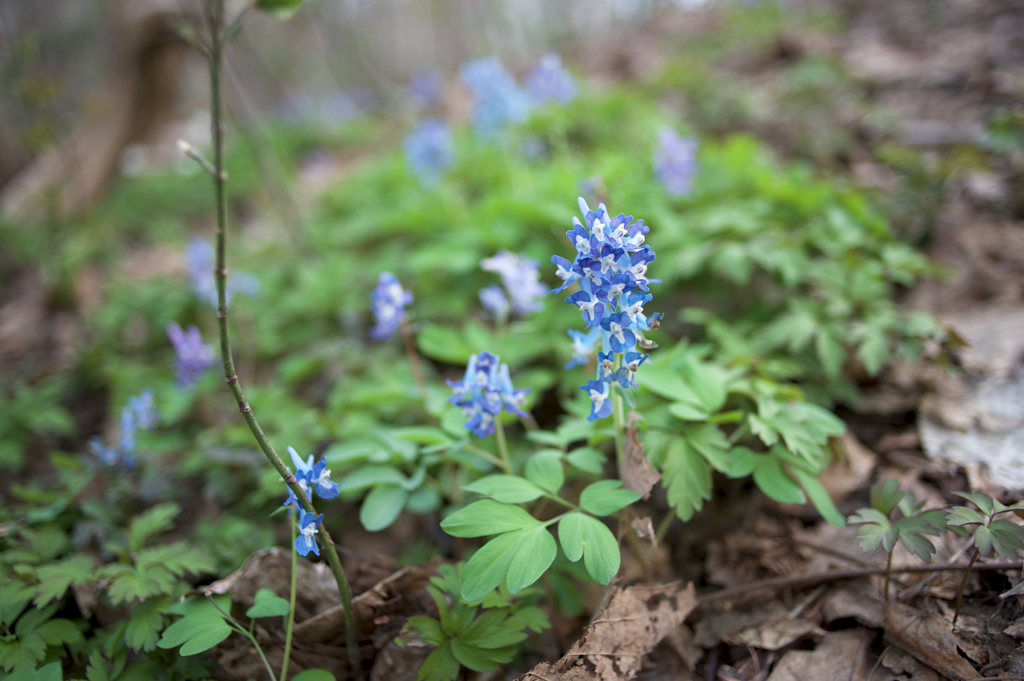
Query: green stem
[663,526]
[414,361]
[502,447]
[963,585]
[619,424]
[291,602]
[248,634]
[888,575]
[484,454]
[215,19]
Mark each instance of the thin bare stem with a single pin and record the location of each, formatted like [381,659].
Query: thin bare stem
[215,20]
[963,585]
[414,361]
[888,575]
[291,599]
[502,447]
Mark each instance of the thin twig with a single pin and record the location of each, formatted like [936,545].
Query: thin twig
[837,575]
[215,21]
[963,585]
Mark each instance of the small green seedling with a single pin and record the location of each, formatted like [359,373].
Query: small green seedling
[1005,537]
[878,529]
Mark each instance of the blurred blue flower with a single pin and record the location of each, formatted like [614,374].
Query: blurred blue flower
[425,86]
[140,412]
[192,357]
[144,409]
[610,265]
[308,524]
[494,301]
[200,259]
[521,278]
[429,150]
[388,302]
[484,391]
[499,101]
[675,161]
[549,81]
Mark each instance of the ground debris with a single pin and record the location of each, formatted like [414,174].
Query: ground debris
[929,638]
[613,646]
[638,474]
[840,656]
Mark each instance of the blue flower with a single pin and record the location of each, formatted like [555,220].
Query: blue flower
[389,301]
[192,357]
[520,276]
[425,86]
[550,82]
[321,479]
[583,345]
[139,413]
[675,161]
[494,301]
[429,150]
[610,268]
[200,260]
[144,409]
[499,101]
[305,543]
[484,391]
[128,431]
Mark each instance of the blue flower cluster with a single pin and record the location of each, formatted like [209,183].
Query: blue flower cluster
[140,413]
[611,269]
[389,301]
[311,477]
[429,150]
[550,82]
[499,101]
[200,260]
[484,391]
[675,161]
[521,278]
[192,357]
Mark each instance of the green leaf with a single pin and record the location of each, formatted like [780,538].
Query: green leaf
[508,489]
[440,665]
[1007,538]
[282,9]
[55,579]
[775,482]
[911,532]
[314,675]
[830,353]
[586,459]
[371,476]
[688,412]
[14,596]
[606,497]
[522,555]
[268,604]
[671,386]
[886,495]
[876,531]
[150,523]
[143,629]
[687,478]
[428,628]
[59,631]
[443,343]
[424,500]
[544,469]
[51,672]
[961,515]
[486,517]
[382,506]
[819,497]
[195,633]
[479,659]
[982,501]
[589,538]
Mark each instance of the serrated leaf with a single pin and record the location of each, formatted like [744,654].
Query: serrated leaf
[982,501]
[544,469]
[480,659]
[151,523]
[440,665]
[382,506]
[877,530]
[55,579]
[143,629]
[486,517]
[14,596]
[50,672]
[886,495]
[589,538]
[687,478]
[534,618]
[268,604]
[428,628]
[522,555]
[495,628]
[961,515]
[605,497]
[1007,538]
[508,489]
[59,631]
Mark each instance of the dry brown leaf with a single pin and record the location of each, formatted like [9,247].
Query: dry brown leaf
[612,647]
[843,478]
[775,633]
[859,600]
[841,656]
[903,664]
[638,474]
[928,637]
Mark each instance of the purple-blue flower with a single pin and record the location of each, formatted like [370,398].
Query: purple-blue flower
[494,301]
[389,301]
[425,86]
[484,391]
[521,278]
[192,357]
[308,524]
[311,477]
[610,268]
[550,82]
[675,161]
[144,409]
[429,150]
[498,100]
[200,259]
[140,412]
